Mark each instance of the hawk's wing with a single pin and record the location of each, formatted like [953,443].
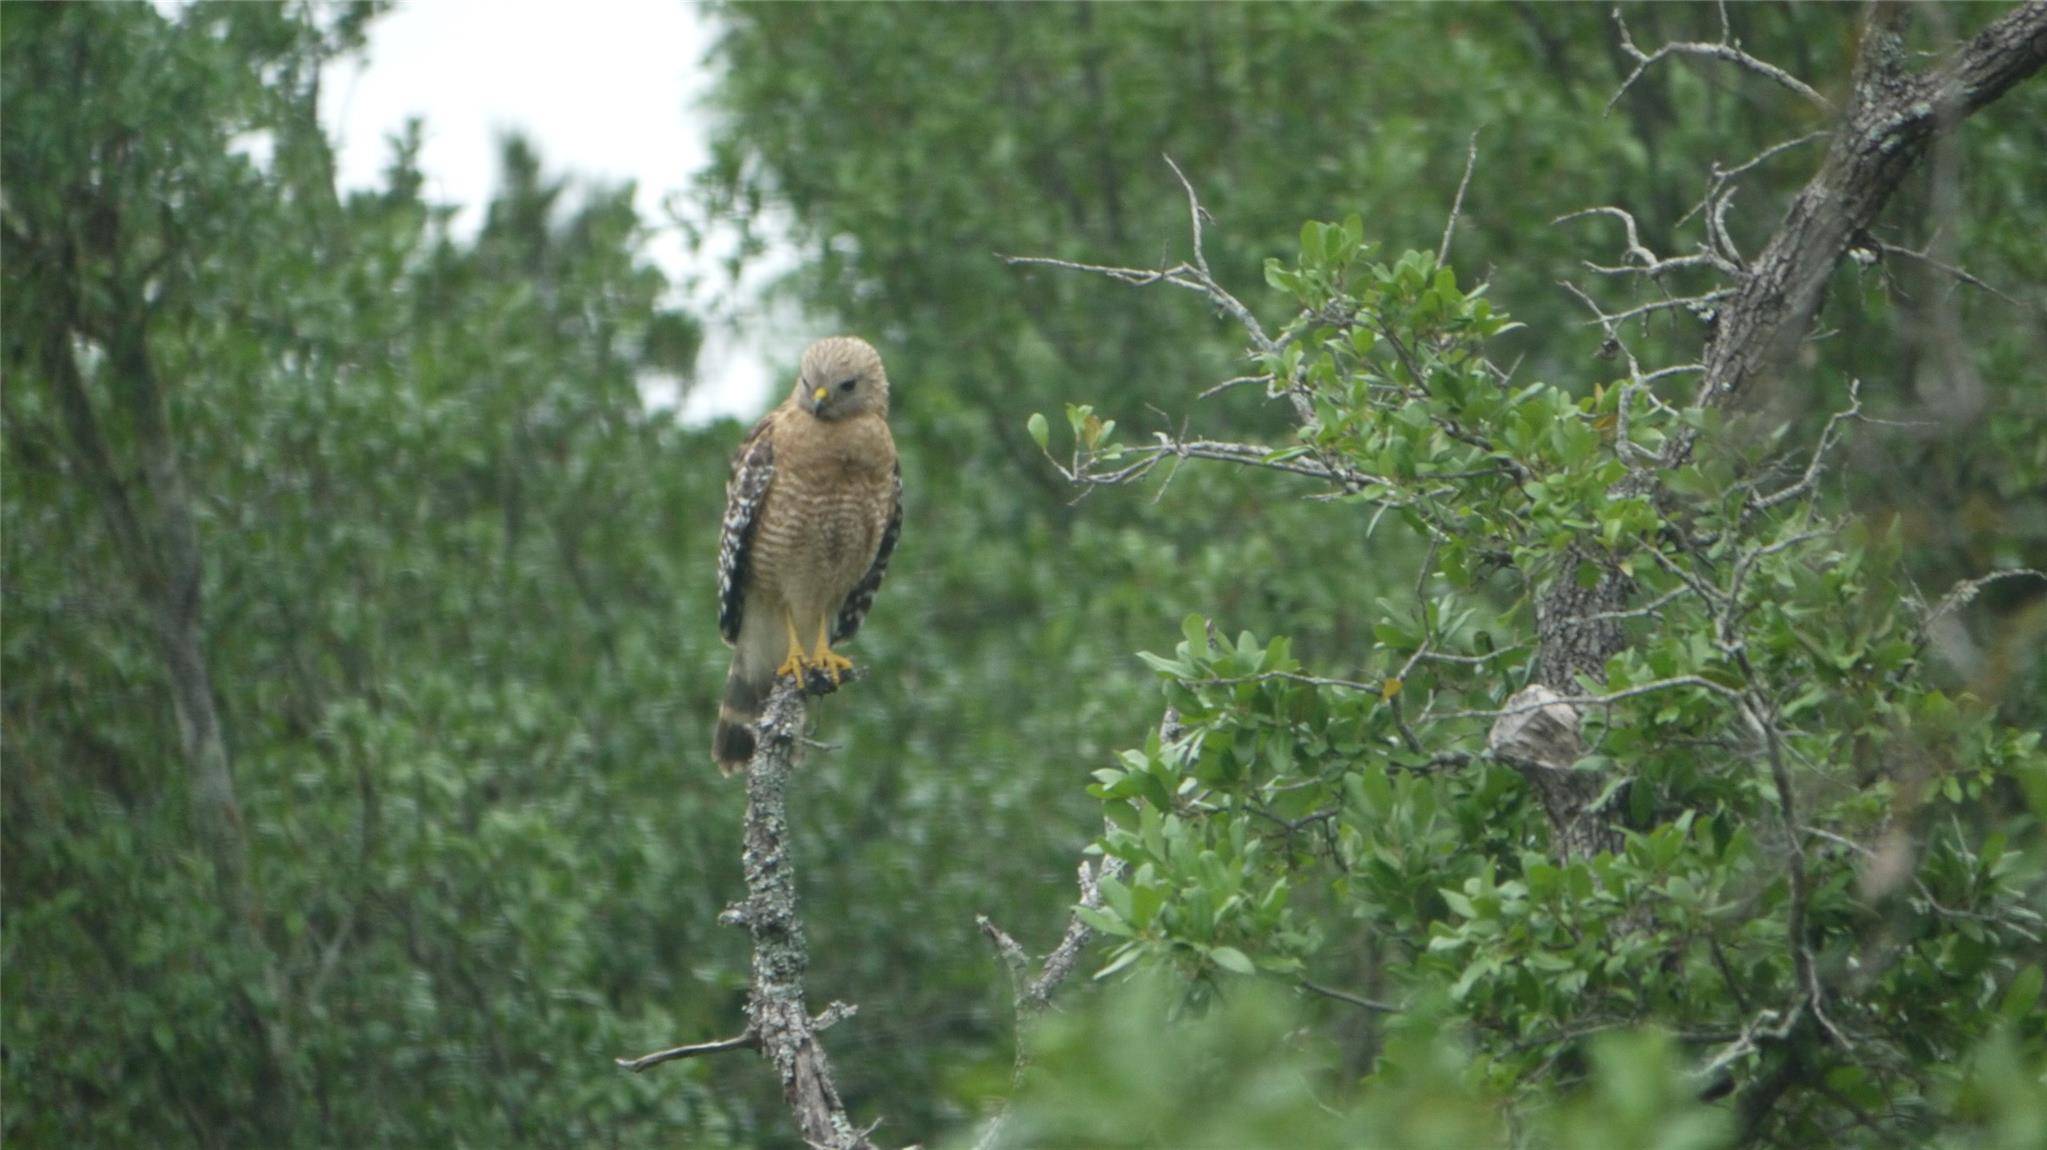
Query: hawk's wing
[753,467]
[861,597]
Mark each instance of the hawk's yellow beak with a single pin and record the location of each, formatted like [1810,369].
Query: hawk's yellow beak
[818,395]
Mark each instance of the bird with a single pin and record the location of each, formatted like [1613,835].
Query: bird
[813,510]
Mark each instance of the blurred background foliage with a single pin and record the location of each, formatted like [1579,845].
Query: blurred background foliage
[454,577]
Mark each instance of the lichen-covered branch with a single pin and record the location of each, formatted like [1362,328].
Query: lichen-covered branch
[775,1008]
[779,1024]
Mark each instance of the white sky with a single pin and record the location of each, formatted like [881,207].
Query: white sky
[607,90]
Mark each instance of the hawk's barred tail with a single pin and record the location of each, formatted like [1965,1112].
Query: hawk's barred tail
[732,741]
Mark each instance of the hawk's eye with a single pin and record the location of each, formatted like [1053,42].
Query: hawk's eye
[848,385]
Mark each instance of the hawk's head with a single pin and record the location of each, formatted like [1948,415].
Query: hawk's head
[841,376]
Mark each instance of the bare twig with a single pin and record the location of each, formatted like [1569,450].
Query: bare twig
[1959,273]
[1967,590]
[1892,119]
[1722,177]
[1673,683]
[1727,49]
[1766,1026]
[1801,889]
[1357,1000]
[1828,436]
[1456,204]
[745,1041]
[1032,995]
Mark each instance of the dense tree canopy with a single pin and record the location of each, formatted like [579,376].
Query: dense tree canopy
[360,655]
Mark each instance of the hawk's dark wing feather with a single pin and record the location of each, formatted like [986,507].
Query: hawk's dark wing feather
[861,597]
[753,467]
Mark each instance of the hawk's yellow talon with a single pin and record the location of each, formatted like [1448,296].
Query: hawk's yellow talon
[827,660]
[831,663]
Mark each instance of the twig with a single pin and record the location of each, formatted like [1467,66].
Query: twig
[1962,274]
[1032,995]
[1828,435]
[1724,176]
[1457,204]
[1357,1000]
[1968,589]
[1238,381]
[1801,891]
[1726,49]
[745,1041]
[1289,677]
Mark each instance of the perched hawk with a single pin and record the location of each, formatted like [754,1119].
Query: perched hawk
[811,515]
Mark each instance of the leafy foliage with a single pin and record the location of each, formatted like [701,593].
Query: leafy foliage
[1820,841]
[456,609]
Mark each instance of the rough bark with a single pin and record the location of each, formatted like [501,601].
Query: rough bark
[1892,119]
[777,1018]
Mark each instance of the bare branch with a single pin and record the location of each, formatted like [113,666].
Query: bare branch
[1193,277]
[1766,1026]
[1195,214]
[1968,589]
[1724,176]
[1238,381]
[1959,273]
[778,1023]
[745,1041]
[1892,119]
[1034,995]
[1726,49]
[1828,436]
[1531,704]
[1635,250]
[1456,204]
[1059,964]
[1801,887]
[1357,1000]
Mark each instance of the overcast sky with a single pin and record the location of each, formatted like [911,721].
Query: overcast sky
[607,89]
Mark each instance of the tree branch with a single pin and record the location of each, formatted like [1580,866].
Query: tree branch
[743,1041]
[1727,48]
[1893,118]
[775,1005]
[778,1022]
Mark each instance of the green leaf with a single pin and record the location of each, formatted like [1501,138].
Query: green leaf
[2023,994]
[1041,432]
[1232,959]
[1102,921]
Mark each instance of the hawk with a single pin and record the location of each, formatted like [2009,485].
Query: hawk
[812,512]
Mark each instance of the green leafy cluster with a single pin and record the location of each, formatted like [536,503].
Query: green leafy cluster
[1784,650]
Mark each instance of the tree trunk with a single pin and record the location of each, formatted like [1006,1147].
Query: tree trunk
[158,541]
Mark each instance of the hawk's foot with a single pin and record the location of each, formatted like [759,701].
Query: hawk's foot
[823,658]
[830,663]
